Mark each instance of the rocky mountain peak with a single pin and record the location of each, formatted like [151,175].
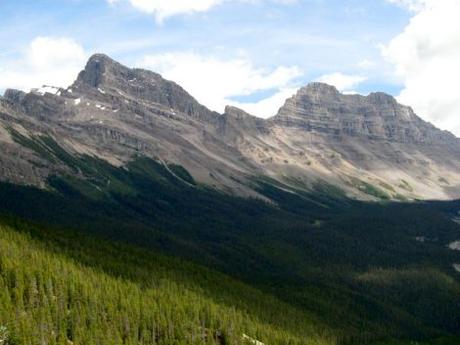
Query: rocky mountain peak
[14,96]
[381,98]
[101,70]
[236,113]
[110,81]
[116,113]
[318,89]
[235,122]
[321,108]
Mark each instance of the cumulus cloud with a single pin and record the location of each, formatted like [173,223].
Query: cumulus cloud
[47,60]
[166,8]
[214,82]
[426,56]
[343,82]
[163,9]
[269,106]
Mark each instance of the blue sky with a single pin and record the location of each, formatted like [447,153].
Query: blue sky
[257,51]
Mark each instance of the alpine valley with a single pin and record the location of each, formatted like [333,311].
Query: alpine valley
[132,214]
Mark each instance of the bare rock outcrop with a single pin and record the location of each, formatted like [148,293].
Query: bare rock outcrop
[369,146]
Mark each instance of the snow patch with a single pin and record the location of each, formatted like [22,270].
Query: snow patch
[47,89]
[77,101]
[420,239]
[100,90]
[456,267]
[100,107]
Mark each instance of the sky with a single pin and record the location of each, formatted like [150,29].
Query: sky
[248,53]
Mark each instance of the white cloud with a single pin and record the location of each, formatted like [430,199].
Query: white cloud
[269,106]
[412,5]
[47,60]
[163,9]
[343,82]
[215,81]
[426,57]
[166,8]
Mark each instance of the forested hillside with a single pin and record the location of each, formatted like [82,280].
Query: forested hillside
[85,291]
[62,287]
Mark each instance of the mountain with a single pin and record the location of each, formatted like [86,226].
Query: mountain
[370,147]
[123,201]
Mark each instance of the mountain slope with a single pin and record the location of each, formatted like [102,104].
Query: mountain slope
[370,147]
[373,139]
[267,207]
[331,258]
[61,288]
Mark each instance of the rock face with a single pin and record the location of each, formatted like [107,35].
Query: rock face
[321,108]
[103,73]
[371,147]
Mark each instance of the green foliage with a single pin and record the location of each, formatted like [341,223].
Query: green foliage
[324,188]
[369,189]
[438,341]
[179,171]
[34,144]
[56,289]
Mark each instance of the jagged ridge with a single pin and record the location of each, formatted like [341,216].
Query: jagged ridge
[369,146]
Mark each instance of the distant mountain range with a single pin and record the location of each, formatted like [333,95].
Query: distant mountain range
[368,148]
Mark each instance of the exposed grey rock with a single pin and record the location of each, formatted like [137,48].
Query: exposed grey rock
[104,75]
[14,96]
[116,113]
[320,107]
[236,122]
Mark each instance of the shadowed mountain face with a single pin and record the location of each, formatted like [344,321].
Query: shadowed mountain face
[370,147]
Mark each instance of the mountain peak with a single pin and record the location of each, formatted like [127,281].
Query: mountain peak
[97,71]
[14,96]
[319,107]
[107,79]
[318,88]
[100,57]
[236,112]
[117,113]
[381,98]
